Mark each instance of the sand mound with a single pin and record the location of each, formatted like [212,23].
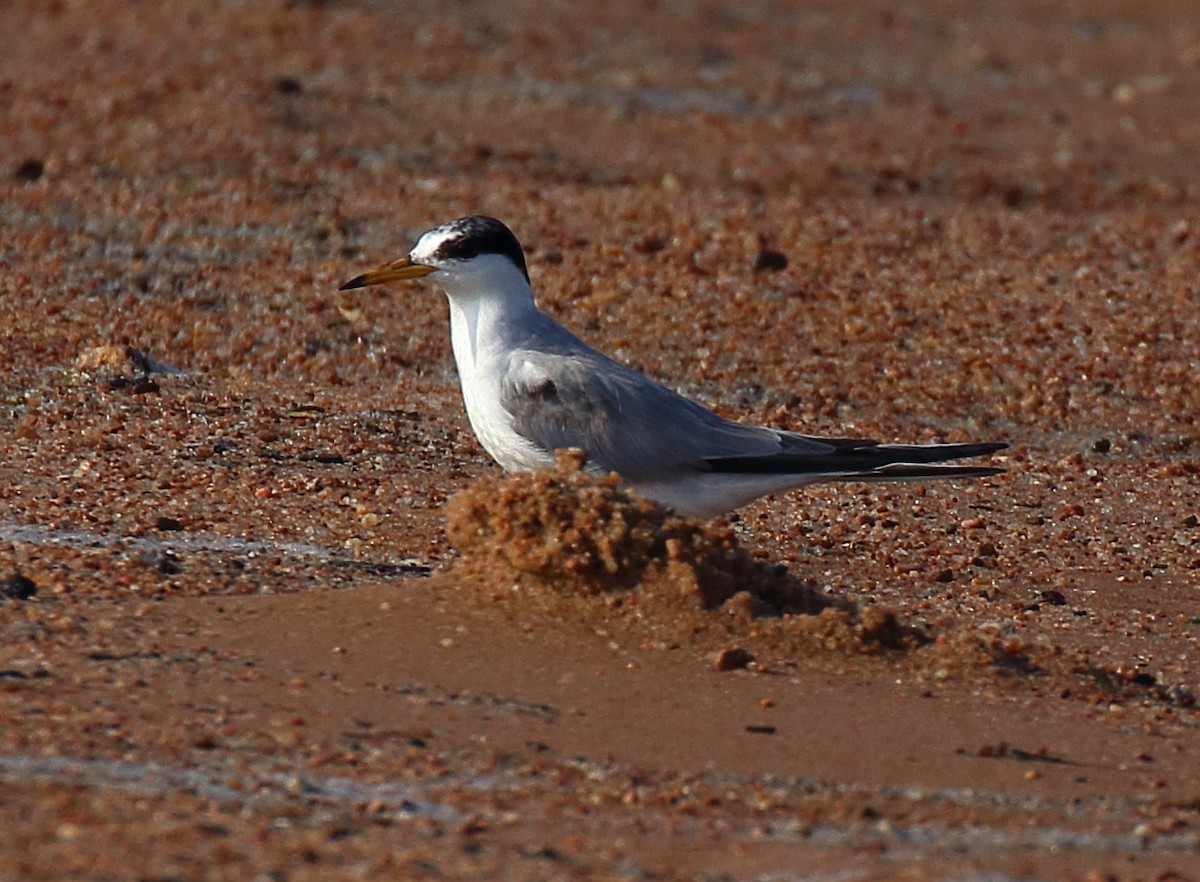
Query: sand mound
[564,532]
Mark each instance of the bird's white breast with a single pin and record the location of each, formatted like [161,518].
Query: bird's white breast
[476,335]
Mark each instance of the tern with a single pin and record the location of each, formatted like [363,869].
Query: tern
[531,387]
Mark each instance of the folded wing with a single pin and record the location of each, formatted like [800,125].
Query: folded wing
[625,422]
[631,425]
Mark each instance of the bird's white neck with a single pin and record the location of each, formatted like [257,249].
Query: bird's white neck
[487,297]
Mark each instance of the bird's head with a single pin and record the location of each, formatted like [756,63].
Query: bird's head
[470,257]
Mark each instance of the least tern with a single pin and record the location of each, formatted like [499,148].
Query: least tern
[532,387]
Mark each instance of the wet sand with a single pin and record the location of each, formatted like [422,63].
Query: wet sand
[238,640]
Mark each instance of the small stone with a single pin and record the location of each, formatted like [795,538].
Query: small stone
[168,525]
[769,260]
[206,741]
[17,587]
[473,826]
[1125,93]
[732,659]
[29,170]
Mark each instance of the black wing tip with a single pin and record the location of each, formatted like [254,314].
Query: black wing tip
[945,450]
[858,462]
[936,471]
[977,448]
[917,472]
[931,453]
[356,282]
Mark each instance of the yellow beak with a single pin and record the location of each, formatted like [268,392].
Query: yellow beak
[390,272]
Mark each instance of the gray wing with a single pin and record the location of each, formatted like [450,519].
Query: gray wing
[629,424]
[626,422]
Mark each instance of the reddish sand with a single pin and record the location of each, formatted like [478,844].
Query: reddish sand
[236,640]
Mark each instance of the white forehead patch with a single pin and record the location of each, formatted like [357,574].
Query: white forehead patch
[429,242]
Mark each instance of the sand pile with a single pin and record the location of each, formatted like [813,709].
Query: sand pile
[564,533]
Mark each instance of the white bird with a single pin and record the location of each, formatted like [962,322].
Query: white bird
[532,387]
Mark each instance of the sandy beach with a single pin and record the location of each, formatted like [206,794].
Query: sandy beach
[246,634]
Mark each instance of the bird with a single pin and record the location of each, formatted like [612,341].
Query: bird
[531,388]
